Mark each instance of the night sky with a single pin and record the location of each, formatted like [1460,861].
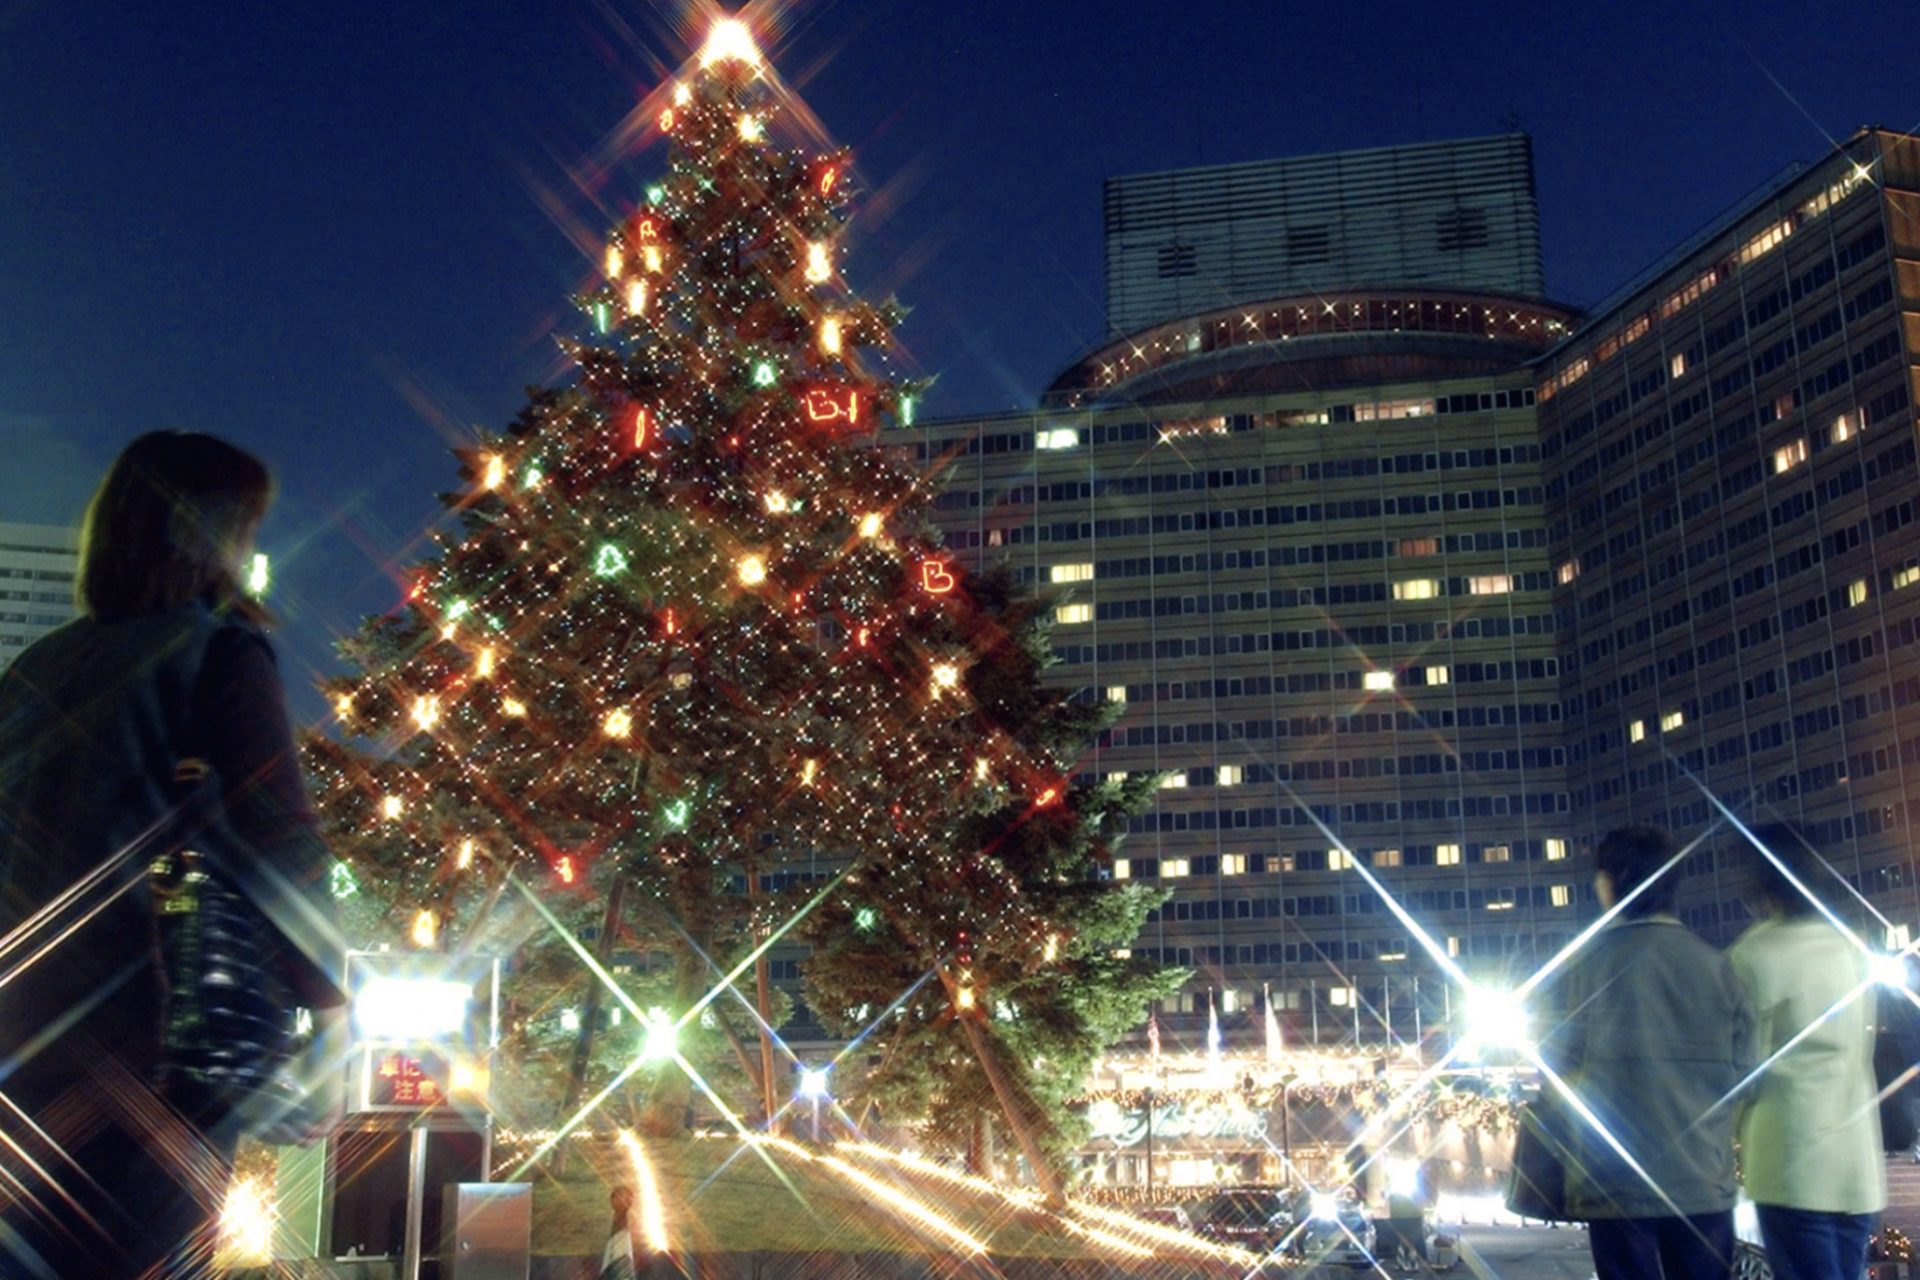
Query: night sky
[343,234]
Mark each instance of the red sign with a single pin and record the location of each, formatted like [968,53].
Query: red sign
[400,1080]
[832,404]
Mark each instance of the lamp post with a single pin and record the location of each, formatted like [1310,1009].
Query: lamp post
[813,1087]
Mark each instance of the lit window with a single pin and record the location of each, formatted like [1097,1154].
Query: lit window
[1785,403]
[1342,997]
[1637,731]
[1386,857]
[1453,945]
[1378,681]
[1438,675]
[1500,900]
[1117,775]
[1231,775]
[1174,868]
[1907,576]
[1282,862]
[1416,589]
[1116,693]
[1556,850]
[1561,895]
[1569,571]
[1492,584]
[1847,426]
[1172,781]
[1123,953]
[1419,546]
[1677,367]
[1056,438]
[1857,592]
[1788,456]
[1672,720]
[1447,855]
[1122,869]
[1070,573]
[1339,860]
[1233,864]
[1496,853]
[1071,613]
[1229,1000]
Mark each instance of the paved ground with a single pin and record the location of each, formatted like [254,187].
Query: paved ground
[1499,1253]
[1903,1195]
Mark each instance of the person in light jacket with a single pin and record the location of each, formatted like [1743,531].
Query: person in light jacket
[1652,1032]
[1810,1121]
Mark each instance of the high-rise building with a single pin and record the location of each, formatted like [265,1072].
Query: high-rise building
[1459,214]
[1303,543]
[1730,470]
[37,564]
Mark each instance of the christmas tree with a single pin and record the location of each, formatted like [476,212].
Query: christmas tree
[689,626]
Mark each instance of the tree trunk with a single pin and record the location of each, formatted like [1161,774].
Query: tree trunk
[763,1001]
[672,1089]
[1011,1100]
[590,1017]
[740,1054]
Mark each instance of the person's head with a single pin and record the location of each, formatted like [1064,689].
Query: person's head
[171,525]
[1773,891]
[1630,859]
[620,1199]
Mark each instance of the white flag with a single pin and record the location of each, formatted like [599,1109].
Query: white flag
[1213,1027]
[1274,1045]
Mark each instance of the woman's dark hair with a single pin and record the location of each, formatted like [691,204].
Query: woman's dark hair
[1793,859]
[166,525]
[1632,857]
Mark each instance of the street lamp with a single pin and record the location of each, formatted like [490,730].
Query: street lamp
[813,1087]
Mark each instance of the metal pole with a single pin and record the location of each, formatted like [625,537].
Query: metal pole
[1149,1144]
[416,1201]
[816,1119]
[1418,1037]
[1286,1127]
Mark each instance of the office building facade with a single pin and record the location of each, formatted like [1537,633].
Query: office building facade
[1459,214]
[1730,468]
[1303,544]
[37,564]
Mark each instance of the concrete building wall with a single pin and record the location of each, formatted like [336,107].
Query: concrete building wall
[37,564]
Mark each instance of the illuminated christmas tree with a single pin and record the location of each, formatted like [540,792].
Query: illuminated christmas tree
[691,626]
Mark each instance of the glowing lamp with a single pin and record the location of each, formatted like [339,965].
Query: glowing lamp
[751,130]
[830,335]
[483,664]
[1495,1019]
[730,40]
[870,525]
[819,268]
[1889,970]
[636,297]
[682,94]
[609,560]
[764,373]
[666,120]
[616,261]
[866,918]
[465,858]
[496,471]
[411,1009]
[751,570]
[259,574]
[618,724]
[935,578]
[426,711]
[775,502]
[642,426]
[1324,1206]
[513,708]
[945,675]
[343,705]
[813,1083]
[807,772]
[392,807]
[246,1225]
[662,1038]
[652,259]
[565,869]
[569,1019]
[964,998]
[425,929]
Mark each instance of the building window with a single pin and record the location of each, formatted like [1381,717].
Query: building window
[1907,576]
[1116,693]
[1637,731]
[1123,953]
[1117,775]
[1233,864]
[1416,589]
[1492,584]
[1419,546]
[1057,438]
[1071,613]
[1378,681]
[1282,862]
[1177,260]
[1438,675]
[1561,895]
[1230,775]
[1338,860]
[1386,857]
[1453,945]
[1846,427]
[1496,853]
[1677,367]
[1342,997]
[1122,869]
[1447,855]
[1173,781]
[1174,868]
[1672,720]
[1070,573]
[1789,455]
[1556,849]
[1568,572]
[1857,592]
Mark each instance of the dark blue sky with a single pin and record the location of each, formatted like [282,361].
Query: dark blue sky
[325,230]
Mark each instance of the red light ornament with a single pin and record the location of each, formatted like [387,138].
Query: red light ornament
[828,405]
[566,869]
[642,426]
[936,579]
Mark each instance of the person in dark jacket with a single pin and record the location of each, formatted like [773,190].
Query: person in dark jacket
[108,1173]
[1653,1034]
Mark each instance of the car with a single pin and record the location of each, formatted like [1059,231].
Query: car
[1338,1233]
[1251,1218]
[1166,1215]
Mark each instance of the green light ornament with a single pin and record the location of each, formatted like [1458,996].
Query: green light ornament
[677,812]
[764,373]
[340,881]
[610,561]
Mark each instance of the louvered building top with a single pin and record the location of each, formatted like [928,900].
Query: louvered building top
[1459,215]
